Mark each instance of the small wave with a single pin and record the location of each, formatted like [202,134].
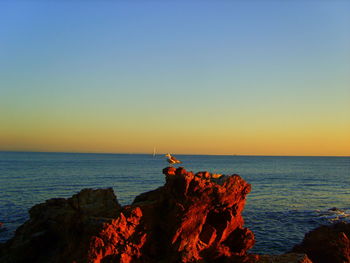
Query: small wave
[334,214]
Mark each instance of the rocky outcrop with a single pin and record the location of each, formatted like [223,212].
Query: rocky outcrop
[192,218]
[59,229]
[327,244]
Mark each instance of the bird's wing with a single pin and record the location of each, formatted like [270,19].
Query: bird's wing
[174,159]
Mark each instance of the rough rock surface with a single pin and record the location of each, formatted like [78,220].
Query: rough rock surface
[285,258]
[327,244]
[192,218]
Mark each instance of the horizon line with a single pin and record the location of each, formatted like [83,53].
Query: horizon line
[146,153]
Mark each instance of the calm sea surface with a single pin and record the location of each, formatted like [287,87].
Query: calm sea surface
[290,195]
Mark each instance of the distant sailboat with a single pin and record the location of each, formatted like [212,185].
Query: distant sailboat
[154,152]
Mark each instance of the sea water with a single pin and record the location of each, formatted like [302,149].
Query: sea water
[290,195]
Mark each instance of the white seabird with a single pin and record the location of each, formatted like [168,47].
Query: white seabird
[172,159]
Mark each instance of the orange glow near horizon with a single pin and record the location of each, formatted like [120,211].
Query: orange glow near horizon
[183,140]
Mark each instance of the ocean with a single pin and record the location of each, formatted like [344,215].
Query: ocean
[289,197]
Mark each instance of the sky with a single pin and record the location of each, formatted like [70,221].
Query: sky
[186,77]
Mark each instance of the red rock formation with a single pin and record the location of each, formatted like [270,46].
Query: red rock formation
[192,218]
[327,244]
[209,224]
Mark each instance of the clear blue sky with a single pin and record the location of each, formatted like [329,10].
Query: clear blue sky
[246,77]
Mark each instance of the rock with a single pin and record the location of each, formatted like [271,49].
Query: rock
[205,175]
[216,176]
[189,219]
[59,229]
[285,258]
[327,244]
[169,170]
[202,219]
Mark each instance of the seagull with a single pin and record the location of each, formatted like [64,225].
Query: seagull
[172,159]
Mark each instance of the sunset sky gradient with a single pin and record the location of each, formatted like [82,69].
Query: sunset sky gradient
[211,77]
